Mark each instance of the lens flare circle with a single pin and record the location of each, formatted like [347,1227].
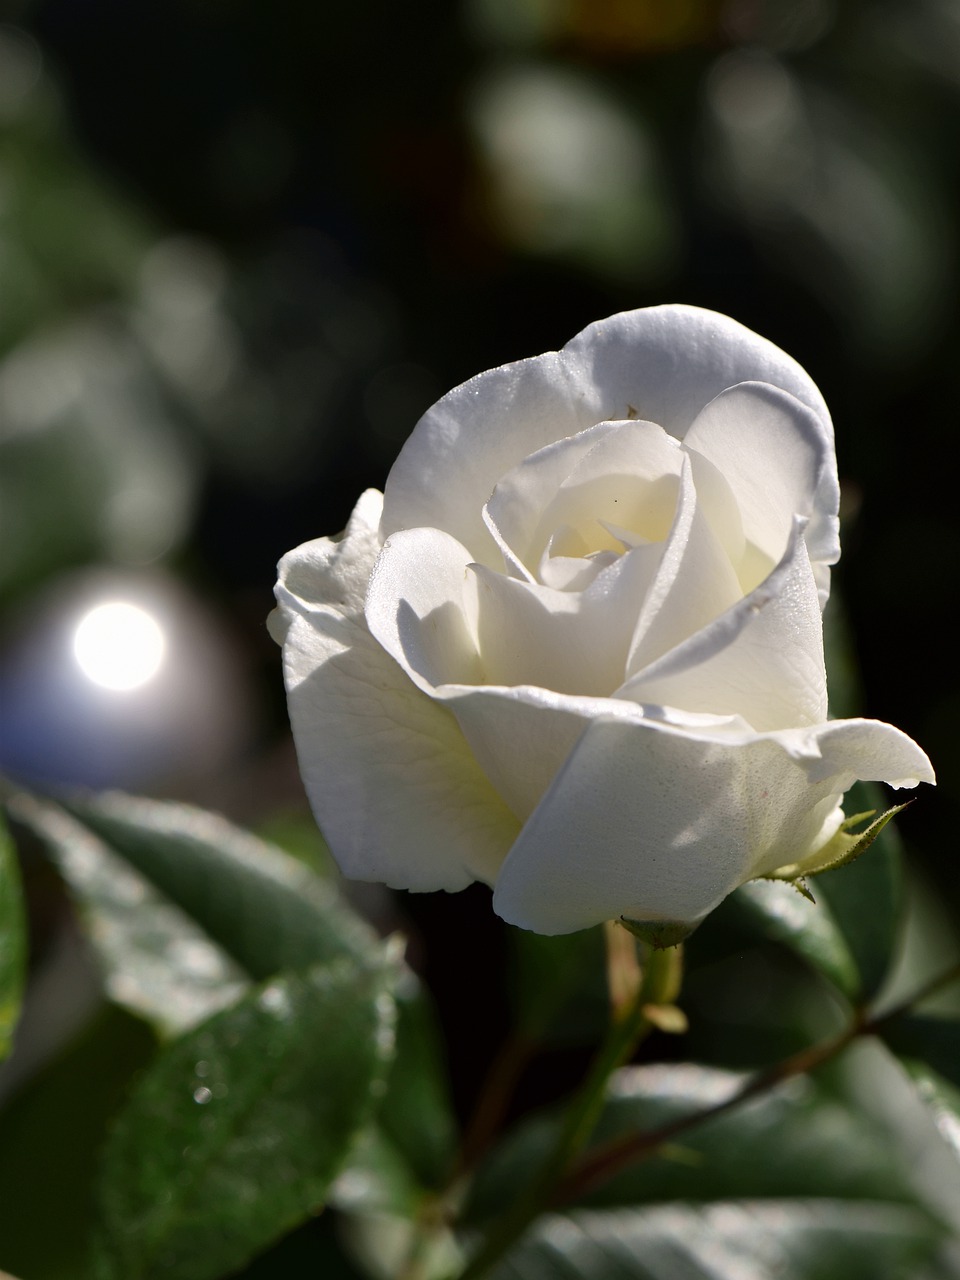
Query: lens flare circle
[119,646]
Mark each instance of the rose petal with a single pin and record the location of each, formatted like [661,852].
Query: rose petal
[694,584]
[394,786]
[521,735]
[515,508]
[777,456]
[616,472]
[422,607]
[657,823]
[663,364]
[762,659]
[329,571]
[572,573]
[719,506]
[475,434]
[572,642]
[868,750]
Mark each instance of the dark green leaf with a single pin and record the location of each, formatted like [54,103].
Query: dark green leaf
[50,1134]
[235,1133]
[510,1167]
[776,910]
[417,1112]
[942,1099]
[12,941]
[814,1136]
[848,1133]
[184,909]
[264,908]
[166,952]
[935,1041]
[157,962]
[792,1240]
[820,1179]
[314,1252]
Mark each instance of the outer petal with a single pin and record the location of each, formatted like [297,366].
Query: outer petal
[476,433]
[762,659]
[657,823]
[868,750]
[329,572]
[666,363]
[391,780]
[777,456]
[661,363]
[521,735]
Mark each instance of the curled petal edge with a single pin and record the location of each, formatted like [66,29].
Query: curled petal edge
[698,812]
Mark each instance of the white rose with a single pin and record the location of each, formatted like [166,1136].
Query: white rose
[575,650]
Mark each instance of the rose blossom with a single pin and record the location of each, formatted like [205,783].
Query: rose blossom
[575,650]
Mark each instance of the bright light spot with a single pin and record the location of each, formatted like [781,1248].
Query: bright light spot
[119,645]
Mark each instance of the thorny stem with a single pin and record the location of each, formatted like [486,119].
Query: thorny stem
[517,1050]
[614,1156]
[624,1034]
[552,1188]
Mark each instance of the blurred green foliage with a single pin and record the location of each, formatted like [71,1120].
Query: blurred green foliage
[242,248]
[241,251]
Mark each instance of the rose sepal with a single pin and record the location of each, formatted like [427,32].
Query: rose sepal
[660,934]
[842,848]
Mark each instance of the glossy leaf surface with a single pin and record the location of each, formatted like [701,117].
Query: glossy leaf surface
[234,1135]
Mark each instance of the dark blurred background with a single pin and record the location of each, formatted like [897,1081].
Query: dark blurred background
[244,245]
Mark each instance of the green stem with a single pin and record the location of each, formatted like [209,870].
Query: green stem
[623,1036]
[431,1225]
[612,1157]
[554,1185]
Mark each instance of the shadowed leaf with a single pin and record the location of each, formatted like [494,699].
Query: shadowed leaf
[235,1133]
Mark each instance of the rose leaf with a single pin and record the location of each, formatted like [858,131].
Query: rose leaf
[184,910]
[235,1133]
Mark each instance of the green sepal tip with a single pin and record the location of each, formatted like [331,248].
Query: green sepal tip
[844,847]
[659,934]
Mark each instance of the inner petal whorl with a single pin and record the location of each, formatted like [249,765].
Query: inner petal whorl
[589,513]
[575,498]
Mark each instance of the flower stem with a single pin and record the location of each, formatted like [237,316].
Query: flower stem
[631,1024]
[602,1163]
[558,1184]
